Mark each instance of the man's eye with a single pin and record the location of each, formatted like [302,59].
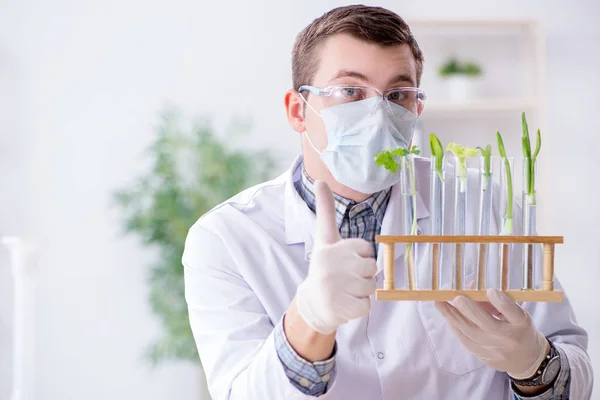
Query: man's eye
[397,96]
[351,92]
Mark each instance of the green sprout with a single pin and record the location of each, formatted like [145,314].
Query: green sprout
[507,227]
[388,159]
[461,153]
[437,150]
[487,155]
[529,159]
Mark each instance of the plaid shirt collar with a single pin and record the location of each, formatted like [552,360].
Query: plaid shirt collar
[377,201]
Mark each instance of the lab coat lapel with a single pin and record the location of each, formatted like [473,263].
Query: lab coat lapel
[299,220]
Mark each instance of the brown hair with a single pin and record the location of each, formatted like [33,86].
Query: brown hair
[371,24]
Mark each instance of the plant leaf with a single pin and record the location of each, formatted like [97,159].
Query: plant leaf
[461,153]
[437,150]
[387,160]
[486,154]
[538,144]
[507,229]
[526,144]
[500,145]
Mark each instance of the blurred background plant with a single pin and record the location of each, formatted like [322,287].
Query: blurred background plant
[453,67]
[192,170]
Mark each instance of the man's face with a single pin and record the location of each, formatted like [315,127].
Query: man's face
[345,60]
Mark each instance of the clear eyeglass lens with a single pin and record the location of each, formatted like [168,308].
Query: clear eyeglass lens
[349,94]
[408,98]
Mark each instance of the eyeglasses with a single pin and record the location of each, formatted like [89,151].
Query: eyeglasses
[407,97]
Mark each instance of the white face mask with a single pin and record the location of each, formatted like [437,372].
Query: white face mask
[356,132]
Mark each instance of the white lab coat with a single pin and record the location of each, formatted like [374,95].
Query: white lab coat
[244,259]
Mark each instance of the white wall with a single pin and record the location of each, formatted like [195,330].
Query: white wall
[81,83]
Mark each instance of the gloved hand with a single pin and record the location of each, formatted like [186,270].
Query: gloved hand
[501,334]
[340,275]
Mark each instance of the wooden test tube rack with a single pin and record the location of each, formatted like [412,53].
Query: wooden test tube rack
[389,292]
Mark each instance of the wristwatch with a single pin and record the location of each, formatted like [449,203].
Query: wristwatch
[546,373]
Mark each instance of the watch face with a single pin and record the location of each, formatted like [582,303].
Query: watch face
[551,370]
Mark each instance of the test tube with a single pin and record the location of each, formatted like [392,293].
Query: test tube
[460,225]
[486,175]
[408,190]
[436,210]
[529,202]
[506,214]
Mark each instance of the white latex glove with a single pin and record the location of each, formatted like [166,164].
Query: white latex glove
[501,334]
[340,276]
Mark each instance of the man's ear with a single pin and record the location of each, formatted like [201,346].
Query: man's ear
[420,108]
[294,107]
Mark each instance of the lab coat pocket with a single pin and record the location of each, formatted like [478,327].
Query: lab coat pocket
[449,352]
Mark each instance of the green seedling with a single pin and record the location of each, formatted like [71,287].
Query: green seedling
[461,153]
[530,159]
[507,227]
[389,160]
[487,156]
[437,150]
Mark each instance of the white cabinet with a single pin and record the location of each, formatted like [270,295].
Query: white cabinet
[511,55]
[512,58]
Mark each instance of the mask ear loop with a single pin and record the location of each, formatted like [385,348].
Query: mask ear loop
[305,132]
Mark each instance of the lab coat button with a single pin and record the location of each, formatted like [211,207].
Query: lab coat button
[380,355]
[325,378]
[303,382]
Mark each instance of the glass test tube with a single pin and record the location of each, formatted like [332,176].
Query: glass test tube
[486,175]
[529,202]
[506,215]
[408,189]
[460,225]
[436,210]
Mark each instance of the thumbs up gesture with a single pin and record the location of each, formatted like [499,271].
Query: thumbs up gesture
[340,276]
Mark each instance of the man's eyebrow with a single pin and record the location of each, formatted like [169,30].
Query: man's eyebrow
[346,73]
[403,78]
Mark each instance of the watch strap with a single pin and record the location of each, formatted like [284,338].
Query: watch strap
[537,380]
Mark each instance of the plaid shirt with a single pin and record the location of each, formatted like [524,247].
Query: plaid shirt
[363,220]
[354,220]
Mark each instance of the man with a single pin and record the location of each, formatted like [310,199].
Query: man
[281,301]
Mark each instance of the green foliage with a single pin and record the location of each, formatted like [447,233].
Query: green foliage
[507,227]
[437,151]
[192,170]
[389,159]
[461,153]
[529,159]
[487,161]
[454,67]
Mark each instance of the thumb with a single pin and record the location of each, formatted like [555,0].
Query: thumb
[327,231]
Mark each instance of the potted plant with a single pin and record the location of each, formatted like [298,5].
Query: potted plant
[460,78]
[191,171]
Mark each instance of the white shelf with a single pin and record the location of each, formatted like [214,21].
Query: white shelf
[511,54]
